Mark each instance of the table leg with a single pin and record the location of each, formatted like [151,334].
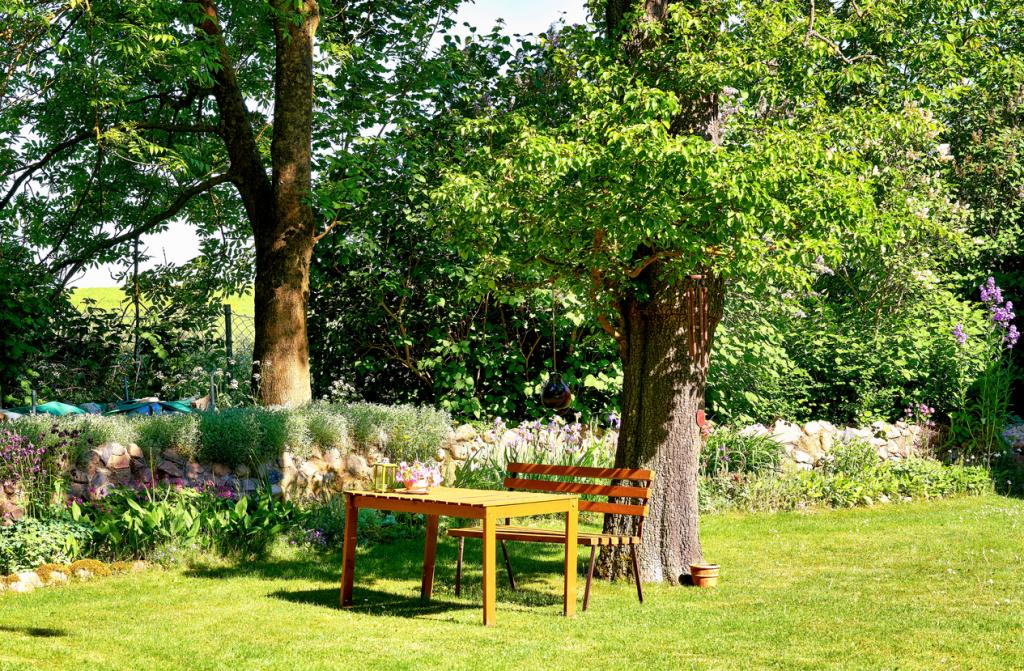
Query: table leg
[490,569]
[429,554]
[348,562]
[571,549]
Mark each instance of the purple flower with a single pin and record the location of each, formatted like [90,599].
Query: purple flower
[614,421]
[1003,314]
[990,292]
[1011,337]
[959,335]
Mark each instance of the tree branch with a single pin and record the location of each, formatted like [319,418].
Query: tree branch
[657,256]
[172,209]
[29,170]
[812,32]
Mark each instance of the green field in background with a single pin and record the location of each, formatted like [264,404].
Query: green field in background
[109,298]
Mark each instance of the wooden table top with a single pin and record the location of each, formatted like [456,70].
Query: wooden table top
[461,496]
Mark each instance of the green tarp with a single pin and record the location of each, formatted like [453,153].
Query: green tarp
[55,408]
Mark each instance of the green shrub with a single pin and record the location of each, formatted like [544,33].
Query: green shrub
[233,436]
[854,458]
[850,480]
[159,433]
[401,432]
[99,429]
[327,429]
[253,436]
[247,529]
[30,542]
[726,451]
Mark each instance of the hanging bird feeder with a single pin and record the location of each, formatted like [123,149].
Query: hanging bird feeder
[555,394]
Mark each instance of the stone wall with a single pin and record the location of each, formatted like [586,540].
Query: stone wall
[808,445]
[111,464]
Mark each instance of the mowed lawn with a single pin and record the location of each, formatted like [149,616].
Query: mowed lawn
[929,585]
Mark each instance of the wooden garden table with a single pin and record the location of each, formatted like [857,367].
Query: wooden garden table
[482,504]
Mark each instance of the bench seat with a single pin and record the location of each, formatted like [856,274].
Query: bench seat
[507,532]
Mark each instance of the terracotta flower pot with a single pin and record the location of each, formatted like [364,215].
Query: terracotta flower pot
[704,575]
[417,485]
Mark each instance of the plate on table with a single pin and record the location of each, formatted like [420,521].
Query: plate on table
[414,490]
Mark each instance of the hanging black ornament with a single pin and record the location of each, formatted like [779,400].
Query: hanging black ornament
[556,394]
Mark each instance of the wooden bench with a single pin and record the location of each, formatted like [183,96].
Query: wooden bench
[623,499]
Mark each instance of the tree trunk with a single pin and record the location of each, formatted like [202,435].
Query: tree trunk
[284,249]
[666,344]
[278,208]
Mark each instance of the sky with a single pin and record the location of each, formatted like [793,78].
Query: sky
[179,243]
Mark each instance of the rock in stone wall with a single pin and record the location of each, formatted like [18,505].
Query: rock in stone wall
[809,445]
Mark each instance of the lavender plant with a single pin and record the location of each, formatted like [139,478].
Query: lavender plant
[556,442]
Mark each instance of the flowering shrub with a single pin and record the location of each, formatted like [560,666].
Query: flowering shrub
[983,406]
[1014,435]
[555,442]
[20,467]
[34,467]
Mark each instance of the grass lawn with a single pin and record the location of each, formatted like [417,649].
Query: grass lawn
[931,585]
[109,298]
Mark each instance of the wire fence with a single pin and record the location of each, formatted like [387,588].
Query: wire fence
[238,332]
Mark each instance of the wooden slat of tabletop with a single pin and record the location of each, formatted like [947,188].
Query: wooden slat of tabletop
[481,498]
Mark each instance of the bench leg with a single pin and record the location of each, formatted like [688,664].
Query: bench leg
[458,567]
[508,566]
[636,574]
[590,577]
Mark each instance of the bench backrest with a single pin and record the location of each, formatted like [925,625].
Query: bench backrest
[622,499]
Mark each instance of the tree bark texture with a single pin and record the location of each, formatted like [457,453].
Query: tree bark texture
[667,341]
[278,206]
[667,328]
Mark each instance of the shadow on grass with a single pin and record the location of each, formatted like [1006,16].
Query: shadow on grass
[538,571]
[373,602]
[35,632]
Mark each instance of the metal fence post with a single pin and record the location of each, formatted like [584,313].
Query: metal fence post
[228,344]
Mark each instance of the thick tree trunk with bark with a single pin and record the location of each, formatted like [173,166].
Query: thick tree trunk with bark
[283,250]
[666,343]
[278,206]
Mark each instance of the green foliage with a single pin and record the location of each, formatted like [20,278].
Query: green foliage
[327,429]
[851,459]
[402,432]
[556,442]
[27,543]
[162,521]
[726,451]
[249,436]
[850,350]
[158,433]
[853,477]
[247,529]
[237,436]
